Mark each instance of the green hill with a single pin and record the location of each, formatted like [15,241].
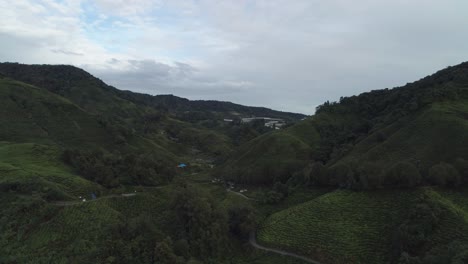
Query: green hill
[272,156]
[33,168]
[30,114]
[423,123]
[65,135]
[366,227]
[96,96]
[161,118]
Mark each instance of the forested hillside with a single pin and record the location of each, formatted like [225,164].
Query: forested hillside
[398,161]
[406,136]
[93,174]
[87,169]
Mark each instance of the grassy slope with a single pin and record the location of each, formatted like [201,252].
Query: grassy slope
[357,227]
[30,114]
[389,133]
[341,226]
[49,234]
[275,152]
[33,231]
[133,110]
[454,223]
[76,85]
[33,167]
[438,133]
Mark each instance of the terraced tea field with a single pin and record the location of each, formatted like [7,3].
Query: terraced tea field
[339,227]
[454,222]
[38,167]
[58,230]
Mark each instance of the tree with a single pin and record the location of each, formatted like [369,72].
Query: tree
[415,231]
[462,167]
[318,174]
[402,174]
[370,176]
[182,248]
[281,188]
[241,221]
[444,174]
[341,175]
[272,197]
[163,253]
[203,224]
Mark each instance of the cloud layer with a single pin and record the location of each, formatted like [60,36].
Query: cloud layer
[288,55]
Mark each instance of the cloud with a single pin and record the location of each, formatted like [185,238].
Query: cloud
[289,55]
[67,52]
[127,7]
[149,76]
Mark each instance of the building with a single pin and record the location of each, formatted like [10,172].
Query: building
[265,119]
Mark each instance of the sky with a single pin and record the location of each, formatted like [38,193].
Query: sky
[289,55]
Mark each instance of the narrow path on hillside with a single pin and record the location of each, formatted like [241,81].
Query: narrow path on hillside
[70,203]
[253,242]
[241,195]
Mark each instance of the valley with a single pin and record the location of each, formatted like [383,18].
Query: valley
[93,174]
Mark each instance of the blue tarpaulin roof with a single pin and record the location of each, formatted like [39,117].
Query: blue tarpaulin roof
[182,165]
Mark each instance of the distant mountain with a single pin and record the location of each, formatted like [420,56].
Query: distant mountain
[90,92]
[196,123]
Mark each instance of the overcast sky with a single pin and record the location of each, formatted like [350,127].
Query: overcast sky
[284,54]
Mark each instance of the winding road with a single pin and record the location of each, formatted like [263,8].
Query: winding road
[252,238]
[242,195]
[253,242]
[70,203]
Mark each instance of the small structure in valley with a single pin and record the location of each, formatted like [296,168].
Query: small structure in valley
[182,165]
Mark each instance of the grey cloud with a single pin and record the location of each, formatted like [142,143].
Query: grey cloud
[67,52]
[182,79]
[289,55]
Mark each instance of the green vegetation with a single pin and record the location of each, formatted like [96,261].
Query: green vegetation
[32,168]
[271,157]
[111,170]
[341,226]
[374,178]
[373,227]
[362,139]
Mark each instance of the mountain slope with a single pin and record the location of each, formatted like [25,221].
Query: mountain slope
[272,156]
[381,128]
[162,118]
[92,94]
[370,227]
[30,114]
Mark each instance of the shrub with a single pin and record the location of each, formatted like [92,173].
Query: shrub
[241,221]
[403,174]
[369,176]
[318,174]
[444,174]
[415,232]
[341,175]
[272,197]
[462,167]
